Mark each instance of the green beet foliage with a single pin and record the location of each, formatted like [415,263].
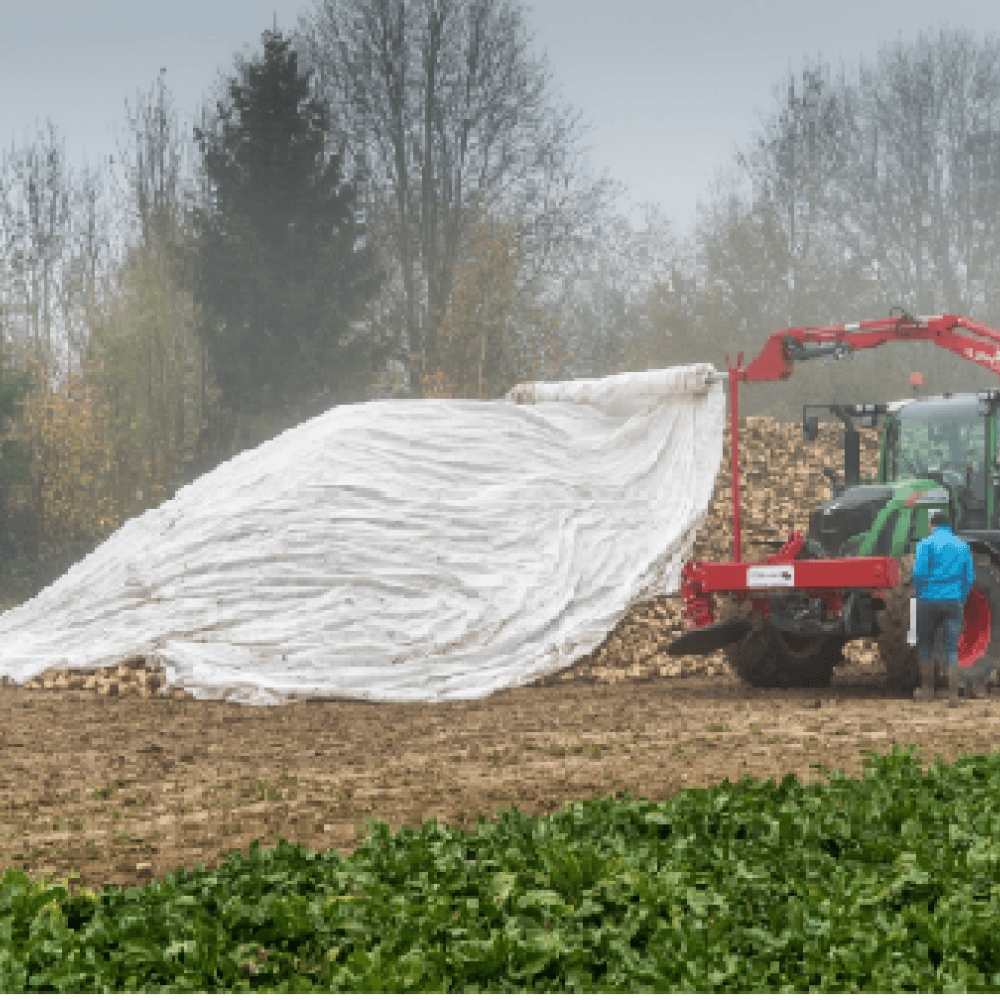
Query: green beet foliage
[888,883]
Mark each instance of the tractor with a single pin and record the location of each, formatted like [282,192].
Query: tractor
[784,622]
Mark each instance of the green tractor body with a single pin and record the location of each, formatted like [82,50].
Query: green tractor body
[937,452]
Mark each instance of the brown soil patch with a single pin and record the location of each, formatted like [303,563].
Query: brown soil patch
[120,789]
[106,776]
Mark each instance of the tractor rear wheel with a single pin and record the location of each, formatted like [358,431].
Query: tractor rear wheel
[900,658]
[978,645]
[807,661]
[765,657]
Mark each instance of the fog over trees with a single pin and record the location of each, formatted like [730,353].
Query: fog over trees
[449,117]
[390,200]
[282,265]
[860,193]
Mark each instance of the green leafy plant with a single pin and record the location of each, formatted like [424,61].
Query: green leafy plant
[890,883]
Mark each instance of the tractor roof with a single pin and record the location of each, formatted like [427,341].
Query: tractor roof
[949,399]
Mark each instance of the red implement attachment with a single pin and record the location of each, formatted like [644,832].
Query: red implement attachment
[777,359]
[823,578]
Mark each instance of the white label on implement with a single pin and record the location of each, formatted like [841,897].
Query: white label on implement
[770,576]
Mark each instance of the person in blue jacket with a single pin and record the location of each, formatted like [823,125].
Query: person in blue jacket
[942,578]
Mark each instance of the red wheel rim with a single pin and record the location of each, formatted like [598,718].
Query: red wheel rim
[976,630]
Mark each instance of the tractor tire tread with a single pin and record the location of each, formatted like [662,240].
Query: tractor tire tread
[762,658]
[987,575]
[899,658]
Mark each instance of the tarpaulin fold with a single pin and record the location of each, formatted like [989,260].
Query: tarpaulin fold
[400,550]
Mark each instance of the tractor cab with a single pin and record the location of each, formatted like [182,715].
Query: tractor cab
[937,451]
[951,440]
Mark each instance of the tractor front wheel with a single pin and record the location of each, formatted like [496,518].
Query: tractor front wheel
[765,657]
[979,643]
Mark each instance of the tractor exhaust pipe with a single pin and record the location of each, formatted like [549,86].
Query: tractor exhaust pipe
[852,456]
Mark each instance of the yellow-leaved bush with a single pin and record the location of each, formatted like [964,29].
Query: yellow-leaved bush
[67,436]
[495,333]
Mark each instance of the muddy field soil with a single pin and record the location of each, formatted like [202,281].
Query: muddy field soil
[119,788]
[111,778]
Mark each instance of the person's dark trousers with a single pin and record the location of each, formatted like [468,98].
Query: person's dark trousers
[931,616]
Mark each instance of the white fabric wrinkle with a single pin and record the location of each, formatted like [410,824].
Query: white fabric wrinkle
[402,549]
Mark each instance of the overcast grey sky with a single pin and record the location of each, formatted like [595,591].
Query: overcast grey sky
[671,88]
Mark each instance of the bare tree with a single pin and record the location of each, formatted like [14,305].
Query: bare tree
[617,262]
[158,164]
[448,114]
[898,169]
[143,323]
[38,231]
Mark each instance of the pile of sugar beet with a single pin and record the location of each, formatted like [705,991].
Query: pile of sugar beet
[781,482]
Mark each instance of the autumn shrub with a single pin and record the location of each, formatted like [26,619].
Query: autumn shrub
[495,332]
[67,434]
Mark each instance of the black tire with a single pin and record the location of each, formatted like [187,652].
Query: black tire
[766,657]
[988,585]
[749,657]
[900,659]
[807,661]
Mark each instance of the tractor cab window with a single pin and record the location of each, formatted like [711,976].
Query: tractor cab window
[946,437]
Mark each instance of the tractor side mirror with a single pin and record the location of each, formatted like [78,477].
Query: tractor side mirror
[810,428]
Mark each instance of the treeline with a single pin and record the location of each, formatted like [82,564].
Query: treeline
[372,205]
[389,200]
[860,193]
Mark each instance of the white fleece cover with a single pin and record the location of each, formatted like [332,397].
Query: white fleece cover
[400,550]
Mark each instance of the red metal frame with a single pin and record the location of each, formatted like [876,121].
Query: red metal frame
[819,575]
[824,578]
[734,449]
[774,362]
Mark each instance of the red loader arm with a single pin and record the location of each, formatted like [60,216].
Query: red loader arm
[785,347]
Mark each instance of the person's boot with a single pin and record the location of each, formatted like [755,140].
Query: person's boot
[954,683]
[926,690]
